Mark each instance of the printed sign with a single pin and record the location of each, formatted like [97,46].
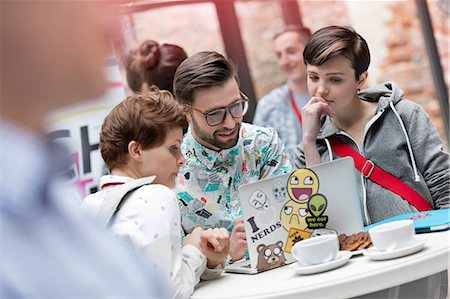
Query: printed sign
[78,128]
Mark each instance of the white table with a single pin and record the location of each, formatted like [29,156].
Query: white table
[358,277]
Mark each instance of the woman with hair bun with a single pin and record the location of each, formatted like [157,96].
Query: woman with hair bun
[153,64]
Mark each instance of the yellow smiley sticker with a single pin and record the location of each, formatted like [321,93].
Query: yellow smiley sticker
[293,215]
[302,184]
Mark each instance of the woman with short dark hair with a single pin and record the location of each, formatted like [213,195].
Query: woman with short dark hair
[392,140]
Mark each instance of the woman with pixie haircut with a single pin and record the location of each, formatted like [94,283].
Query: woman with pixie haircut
[140,141]
[396,148]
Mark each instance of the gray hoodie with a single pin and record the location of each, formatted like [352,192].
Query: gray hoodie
[402,140]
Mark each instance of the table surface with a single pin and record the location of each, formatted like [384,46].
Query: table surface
[359,276]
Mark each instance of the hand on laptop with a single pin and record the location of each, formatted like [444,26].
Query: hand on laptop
[215,245]
[238,240]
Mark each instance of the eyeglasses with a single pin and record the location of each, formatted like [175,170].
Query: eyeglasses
[217,116]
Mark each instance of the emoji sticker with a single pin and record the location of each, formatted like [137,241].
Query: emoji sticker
[302,183]
[304,211]
[293,214]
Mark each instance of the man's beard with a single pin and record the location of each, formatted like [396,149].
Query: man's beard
[212,139]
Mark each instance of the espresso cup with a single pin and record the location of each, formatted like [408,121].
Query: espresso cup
[393,235]
[316,250]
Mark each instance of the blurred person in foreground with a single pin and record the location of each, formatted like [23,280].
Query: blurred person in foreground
[281,108]
[153,64]
[52,55]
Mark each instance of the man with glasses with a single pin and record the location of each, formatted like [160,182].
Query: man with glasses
[222,153]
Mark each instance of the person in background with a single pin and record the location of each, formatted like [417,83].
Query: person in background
[49,248]
[392,137]
[221,151]
[281,108]
[153,64]
[141,137]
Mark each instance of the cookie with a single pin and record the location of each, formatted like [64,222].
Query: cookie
[354,242]
[350,244]
[365,245]
[342,237]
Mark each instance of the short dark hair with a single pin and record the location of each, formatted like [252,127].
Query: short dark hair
[303,32]
[153,64]
[332,41]
[144,118]
[202,70]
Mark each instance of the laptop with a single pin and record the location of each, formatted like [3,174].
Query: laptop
[283,210]
[424,222]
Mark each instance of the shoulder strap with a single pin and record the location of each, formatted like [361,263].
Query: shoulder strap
[378,175]
[113,199]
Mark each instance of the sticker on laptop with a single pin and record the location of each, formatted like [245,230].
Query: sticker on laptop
[259,200]
[304,212]
[270,256]
[279,190]
[294,236]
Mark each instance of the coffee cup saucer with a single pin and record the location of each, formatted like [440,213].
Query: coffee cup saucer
[379,255]
[342,258]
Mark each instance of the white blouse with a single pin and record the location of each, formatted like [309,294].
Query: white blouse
[150,220]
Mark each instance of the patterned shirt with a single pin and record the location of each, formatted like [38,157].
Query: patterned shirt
[207,185]
[275,110]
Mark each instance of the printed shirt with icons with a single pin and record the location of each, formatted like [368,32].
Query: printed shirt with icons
[208,183]
[149,221]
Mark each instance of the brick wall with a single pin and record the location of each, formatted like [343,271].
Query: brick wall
[407,61]
[399,54]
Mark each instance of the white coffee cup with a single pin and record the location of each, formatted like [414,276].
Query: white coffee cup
[316,250]
[393,235]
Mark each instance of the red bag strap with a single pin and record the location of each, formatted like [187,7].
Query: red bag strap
[295,107]
[371,171]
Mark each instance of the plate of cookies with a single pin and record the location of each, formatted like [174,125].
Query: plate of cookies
[355,243]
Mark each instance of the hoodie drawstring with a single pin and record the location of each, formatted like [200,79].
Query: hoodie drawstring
[411,154]
[329,148]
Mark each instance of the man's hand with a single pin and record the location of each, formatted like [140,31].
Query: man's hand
[238,240]
[215,245]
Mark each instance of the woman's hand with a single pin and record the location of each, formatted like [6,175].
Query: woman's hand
[311,114]
[215,245]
